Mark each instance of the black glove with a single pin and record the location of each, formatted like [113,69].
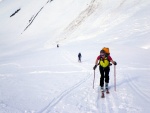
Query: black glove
[94,67]
[115,63]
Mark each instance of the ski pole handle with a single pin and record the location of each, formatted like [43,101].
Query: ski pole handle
[94,79]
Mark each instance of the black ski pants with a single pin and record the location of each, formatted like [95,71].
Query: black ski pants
[104,75]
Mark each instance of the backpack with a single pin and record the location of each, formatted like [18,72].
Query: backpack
[106,49]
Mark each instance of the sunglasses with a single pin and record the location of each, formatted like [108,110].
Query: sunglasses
[102,55]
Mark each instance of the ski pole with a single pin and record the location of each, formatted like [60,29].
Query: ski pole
[94,79]
[115,77]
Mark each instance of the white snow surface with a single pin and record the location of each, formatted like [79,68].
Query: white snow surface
[38,77]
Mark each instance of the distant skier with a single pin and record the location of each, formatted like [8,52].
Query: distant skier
[57,45]
[104,67]
[79,57]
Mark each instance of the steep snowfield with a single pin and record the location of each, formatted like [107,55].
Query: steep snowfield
[37,77]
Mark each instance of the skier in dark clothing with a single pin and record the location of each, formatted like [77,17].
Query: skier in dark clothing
[79,57]
[57,45]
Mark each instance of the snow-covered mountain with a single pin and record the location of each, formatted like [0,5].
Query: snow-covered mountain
[38,77]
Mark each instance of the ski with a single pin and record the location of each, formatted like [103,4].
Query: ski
[103,95]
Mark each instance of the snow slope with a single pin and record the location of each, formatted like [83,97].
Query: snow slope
[37,77]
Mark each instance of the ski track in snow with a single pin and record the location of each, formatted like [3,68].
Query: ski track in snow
[72,60]
[107,104]
[137,89]
[124,99]
[120,101]
[57,99]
